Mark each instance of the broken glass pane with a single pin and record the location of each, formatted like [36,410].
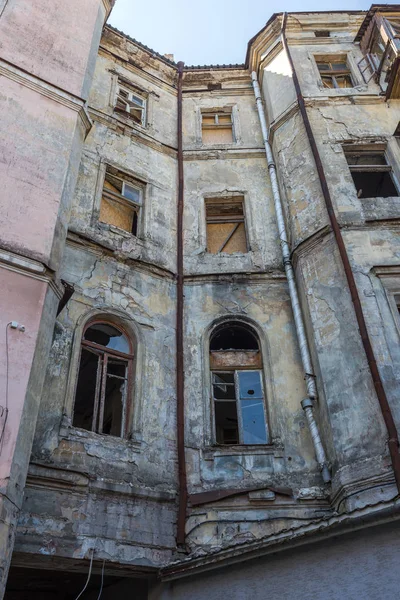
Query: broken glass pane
[224,386]
[106,335]
[86,389]
[114,397]
[254,429]
[226,423]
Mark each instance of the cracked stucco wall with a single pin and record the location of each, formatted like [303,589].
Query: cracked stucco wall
[122,497]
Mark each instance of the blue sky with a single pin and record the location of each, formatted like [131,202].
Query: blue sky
[210,31]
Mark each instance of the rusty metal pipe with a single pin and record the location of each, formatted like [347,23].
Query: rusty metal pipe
[393,441]
[180,381]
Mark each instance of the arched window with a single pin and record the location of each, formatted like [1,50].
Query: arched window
[105,373]
[237,386]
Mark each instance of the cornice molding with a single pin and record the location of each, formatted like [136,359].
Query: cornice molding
[314,530]
[48,90]
[29,268]
[192,154]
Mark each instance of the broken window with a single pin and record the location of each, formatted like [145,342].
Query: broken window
[121,201]
[226,231]
[103,381]
[216,128]
[131,103]
[335,72]
[237,388]
[379,38]
[371,173]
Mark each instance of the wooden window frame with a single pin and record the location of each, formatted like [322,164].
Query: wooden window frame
[332,73]
[213,219]
[104,354]
[236,370]
[130,105]
[120,198]
[216,114]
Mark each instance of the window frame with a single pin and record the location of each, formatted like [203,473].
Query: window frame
[371,149]
[137,207]
[219,200]
[132,92]
[237,399]
[101,378]
[216,113]
[348,57]
[333,73]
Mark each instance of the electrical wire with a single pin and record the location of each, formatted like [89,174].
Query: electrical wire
[88,577]
[102,580]
[4,411]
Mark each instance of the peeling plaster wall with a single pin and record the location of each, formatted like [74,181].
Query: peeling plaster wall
[349,411]
[118,496]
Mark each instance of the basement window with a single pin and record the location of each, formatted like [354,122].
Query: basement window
[217,128]
[335,72]
[322,33]
[131,104]
[121,202]
[226,231]
[237,388]
[105,373]
[371,173]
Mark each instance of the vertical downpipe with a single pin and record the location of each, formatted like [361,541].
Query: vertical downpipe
[307,403]
[393,438]
[180,382]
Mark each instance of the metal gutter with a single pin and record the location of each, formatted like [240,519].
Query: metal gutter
[309,375]
[393,441]
[180,381]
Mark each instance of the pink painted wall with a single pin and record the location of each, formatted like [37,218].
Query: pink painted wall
[36,138]
[51,39]
[21,300]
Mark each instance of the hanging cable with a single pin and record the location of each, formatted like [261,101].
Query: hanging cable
[88,577]
[4,409]
[102,580]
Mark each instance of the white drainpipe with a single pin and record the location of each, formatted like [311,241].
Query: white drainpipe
[307,403]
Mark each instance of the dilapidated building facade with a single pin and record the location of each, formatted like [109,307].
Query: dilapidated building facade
[200,291]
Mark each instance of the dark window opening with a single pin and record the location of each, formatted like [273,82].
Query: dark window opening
[371,173]
[103,381]
[322,33]
[373,185]
[233,337]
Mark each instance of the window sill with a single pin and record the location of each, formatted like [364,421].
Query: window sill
[380,208]
[107,228]
[128,121]
[75,434]
[212,452]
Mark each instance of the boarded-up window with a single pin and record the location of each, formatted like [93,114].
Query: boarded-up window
[371,173]
[121,201]
[335,72]
[216,128]
[132,104]
[226,231]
